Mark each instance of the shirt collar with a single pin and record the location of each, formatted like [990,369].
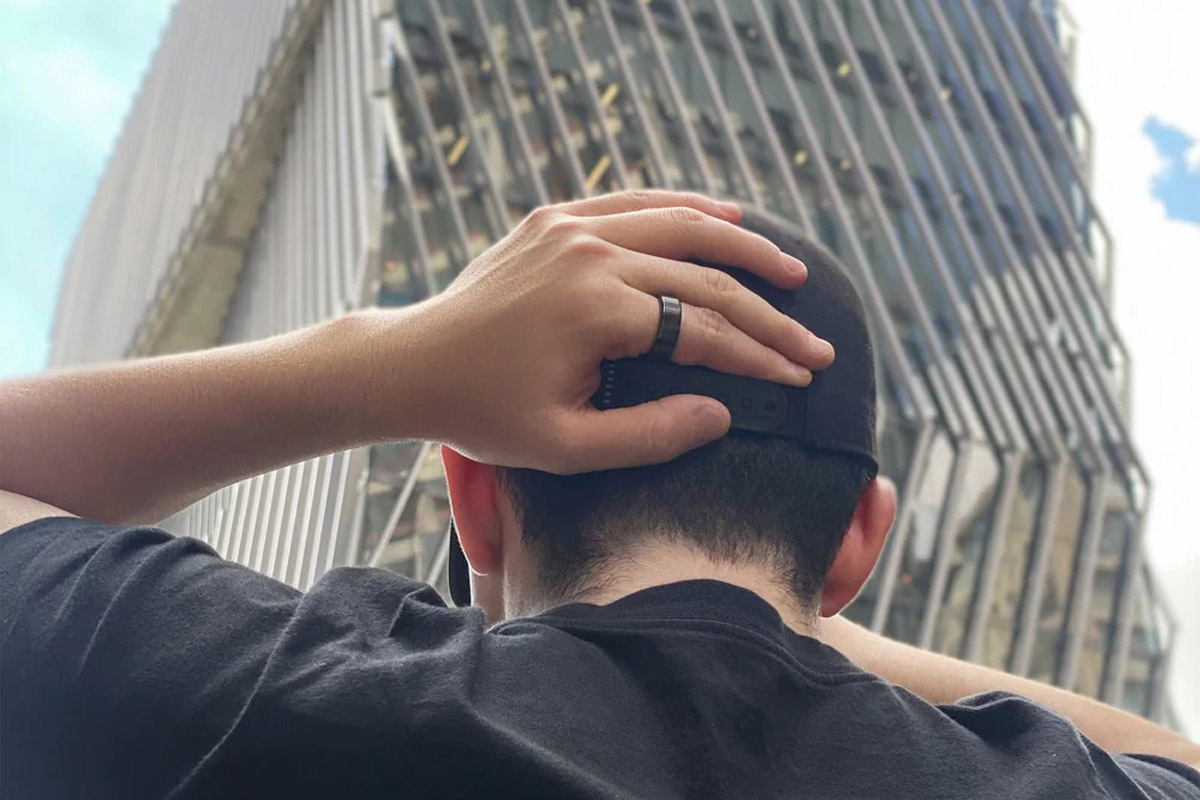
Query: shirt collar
[701,599]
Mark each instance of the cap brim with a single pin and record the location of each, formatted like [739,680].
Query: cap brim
[458,573]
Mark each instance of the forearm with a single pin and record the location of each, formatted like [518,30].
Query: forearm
[941,679]
[136,441]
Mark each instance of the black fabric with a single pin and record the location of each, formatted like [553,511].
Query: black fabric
[134,664]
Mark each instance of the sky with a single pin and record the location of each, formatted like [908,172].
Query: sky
[69,70]
[68,73]
[1137,72]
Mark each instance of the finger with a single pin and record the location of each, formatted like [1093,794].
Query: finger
[685,234]
[650,433]
[708,339]
[622,202]
[719,291]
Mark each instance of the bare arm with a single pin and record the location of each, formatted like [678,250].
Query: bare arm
[134,442]
[500,366]
[941,679]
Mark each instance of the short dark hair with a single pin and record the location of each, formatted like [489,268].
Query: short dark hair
[739,499]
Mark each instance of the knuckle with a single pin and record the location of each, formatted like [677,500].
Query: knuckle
[567,223]
[758,245]
[656,438]
[711,329]
[687,219]
[712,324]
[720,285]
[585,245]
[639,198]
[769,250]
[543,217]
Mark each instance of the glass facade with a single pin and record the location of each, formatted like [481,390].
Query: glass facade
[938,148]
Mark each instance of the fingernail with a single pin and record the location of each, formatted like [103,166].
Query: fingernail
[795,265]
[822,348]
[801,375]
[732,210]
[712,416]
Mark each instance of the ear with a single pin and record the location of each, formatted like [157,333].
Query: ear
[873,517]
[473,502]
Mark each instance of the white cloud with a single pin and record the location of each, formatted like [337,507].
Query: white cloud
[1192,157]
[1135,64]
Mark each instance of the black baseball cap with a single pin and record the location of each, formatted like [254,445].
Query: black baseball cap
[836,412]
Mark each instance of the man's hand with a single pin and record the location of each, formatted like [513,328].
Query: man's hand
[515,343]
[501,366]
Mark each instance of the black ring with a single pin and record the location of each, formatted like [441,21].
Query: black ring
[670,319]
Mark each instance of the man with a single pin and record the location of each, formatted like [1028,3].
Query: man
[658,623]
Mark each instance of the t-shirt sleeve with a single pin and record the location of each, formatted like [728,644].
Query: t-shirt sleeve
[1046,745]
[128,657]
[1160,778]
[125,655]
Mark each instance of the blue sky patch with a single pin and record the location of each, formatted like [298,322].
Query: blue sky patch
[69,71]
[1178,184]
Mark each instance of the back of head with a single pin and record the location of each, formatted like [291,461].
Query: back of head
[783,502]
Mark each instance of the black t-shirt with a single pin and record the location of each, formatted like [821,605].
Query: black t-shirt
[135,664]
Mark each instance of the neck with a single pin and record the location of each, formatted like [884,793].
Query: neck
[659,564]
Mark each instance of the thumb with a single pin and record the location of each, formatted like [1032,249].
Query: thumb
[650,433]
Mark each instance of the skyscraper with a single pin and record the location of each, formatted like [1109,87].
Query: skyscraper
[287,161]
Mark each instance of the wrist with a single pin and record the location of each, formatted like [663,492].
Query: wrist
[386,366]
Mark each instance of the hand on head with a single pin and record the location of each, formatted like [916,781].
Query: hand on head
[530,320]
[795,513]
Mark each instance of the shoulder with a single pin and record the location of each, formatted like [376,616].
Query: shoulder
[1171,778]
[1014,724]
[51,548]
